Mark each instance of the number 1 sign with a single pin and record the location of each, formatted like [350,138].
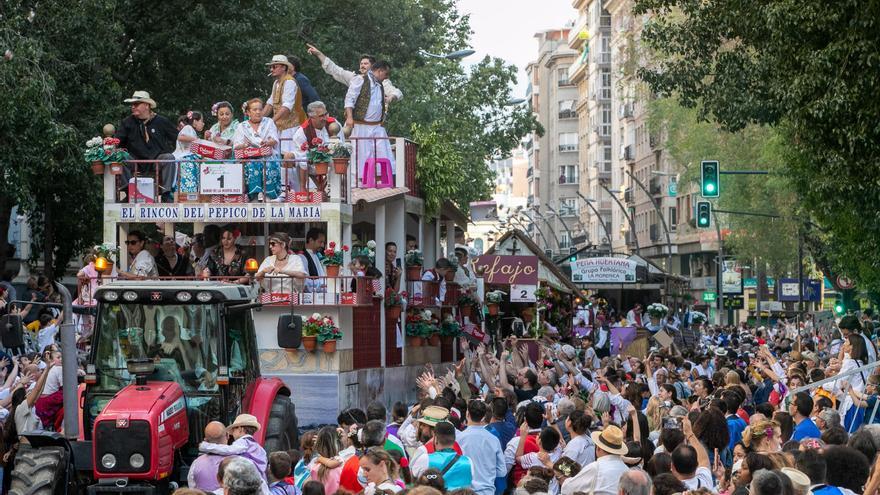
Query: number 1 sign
[523,293]
[221,178]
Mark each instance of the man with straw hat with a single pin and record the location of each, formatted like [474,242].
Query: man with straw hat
[148,136]
[242,431]
[601,477]
[285,102]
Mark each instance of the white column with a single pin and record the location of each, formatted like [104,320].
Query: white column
[122,262]
[380,255]
[450,238]
[400,162]
[24,247]
[109,186]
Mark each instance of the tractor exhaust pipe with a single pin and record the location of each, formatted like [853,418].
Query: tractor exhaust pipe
[69,366]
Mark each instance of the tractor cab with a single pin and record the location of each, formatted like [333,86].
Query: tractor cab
[196,335]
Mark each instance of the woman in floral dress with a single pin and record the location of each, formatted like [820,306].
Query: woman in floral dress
[227,260]
[254,133]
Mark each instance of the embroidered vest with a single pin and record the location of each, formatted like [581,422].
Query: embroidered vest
[310,131]
[363,100]
[296,115]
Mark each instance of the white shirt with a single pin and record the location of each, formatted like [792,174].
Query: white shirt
[26,418]
[292,140]
[702,479]
[281,282]
[374,109]
[183,147]
[143,265]
[53,381]
[581,449]
[345,77]
[597,478]
[245,134]
[46,336]
[288,95]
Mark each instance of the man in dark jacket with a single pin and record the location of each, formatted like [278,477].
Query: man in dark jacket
[148,136]
[309,93]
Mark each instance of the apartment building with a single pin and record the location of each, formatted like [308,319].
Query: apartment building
[553,173]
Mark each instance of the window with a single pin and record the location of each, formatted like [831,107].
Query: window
[568,174]
[562,76]
[564,240]
[568,207]
[568,141]
[605,93]
[566,109]
[673,218]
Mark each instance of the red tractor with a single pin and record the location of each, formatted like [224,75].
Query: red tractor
[167,358]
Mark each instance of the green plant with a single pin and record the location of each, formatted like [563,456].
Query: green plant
[108,251]
[495,297]
[340,150]
[313,325]
[394,298]
[450,327]
[317,151]
[333,256]
[94,150]
[329,331]
[657,310]
[466,299]
[414,258]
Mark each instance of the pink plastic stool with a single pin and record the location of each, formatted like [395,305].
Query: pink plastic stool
[369,176]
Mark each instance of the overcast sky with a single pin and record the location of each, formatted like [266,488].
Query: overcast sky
[506,29]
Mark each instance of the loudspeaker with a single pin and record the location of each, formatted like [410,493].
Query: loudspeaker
[290,330]
[11,331]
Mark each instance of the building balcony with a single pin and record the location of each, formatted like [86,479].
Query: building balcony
[577,70]
[568,180]
[578,35]
[568,148]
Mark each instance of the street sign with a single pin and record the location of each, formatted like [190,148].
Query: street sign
[523,293]
[709,296]
[673,188]
[221,179]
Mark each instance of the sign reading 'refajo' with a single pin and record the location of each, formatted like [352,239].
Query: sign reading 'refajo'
[507,270]
[603,270]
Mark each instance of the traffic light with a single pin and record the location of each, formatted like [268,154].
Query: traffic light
[704,214]
[572,254]
[839,307]
[710,185]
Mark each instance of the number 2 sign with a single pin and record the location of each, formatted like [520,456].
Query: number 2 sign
[221,178]
[522,293]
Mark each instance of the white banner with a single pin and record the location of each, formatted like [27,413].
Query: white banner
[221,178]
[603,270]
[217,213]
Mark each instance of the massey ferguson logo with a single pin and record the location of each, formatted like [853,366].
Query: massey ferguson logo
[155,296]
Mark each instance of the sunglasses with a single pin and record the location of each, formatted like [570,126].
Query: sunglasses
[273,243]
[129,243]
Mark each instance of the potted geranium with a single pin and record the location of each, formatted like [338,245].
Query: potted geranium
[493,299]
[328,334]
[318,154]
[698,318]
[393,304]
[333,259]
[415,328]
[466,303]
[94,154]
[310,330]
[341,153]
[449,330]
[432,328]
[414,262]
[114,155]
[109,252]
[657,312]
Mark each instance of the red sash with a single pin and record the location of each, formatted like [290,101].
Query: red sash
[310,132]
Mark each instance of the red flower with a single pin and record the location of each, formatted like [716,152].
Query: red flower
[332,244]
[345,248]
[316,141]
[304,147]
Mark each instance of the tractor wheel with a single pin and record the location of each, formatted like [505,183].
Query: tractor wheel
[39,471]
[281,430]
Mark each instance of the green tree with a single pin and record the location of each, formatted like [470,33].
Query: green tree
[809,70]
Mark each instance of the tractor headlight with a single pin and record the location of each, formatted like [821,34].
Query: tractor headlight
[203,296]
[184,296]
[111,296]
[130,295]
[136,461]
[108,461]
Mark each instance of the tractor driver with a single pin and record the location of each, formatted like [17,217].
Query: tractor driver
[172,346]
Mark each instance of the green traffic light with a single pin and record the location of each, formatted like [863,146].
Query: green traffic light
[710,187]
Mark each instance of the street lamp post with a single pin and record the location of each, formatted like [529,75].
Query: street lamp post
[564,226]
[663,222]
[632,223]
[549,226]
[456,55]
[589,202]
[522,224]
[535,223]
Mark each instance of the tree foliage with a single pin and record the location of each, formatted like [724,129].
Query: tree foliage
[75,63]
[811,71]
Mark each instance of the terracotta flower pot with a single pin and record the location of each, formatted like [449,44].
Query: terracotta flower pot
[493,308]
[466,310]
[98,167]
[116,168]
[340,165]
[415,341]
[332,270]
[310,342]
[329,346]
[392,313]
[414,272]
[434,339]
[321,168]
[655,321]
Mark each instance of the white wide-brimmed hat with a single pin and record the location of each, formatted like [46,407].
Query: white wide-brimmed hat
[141,97]
[282,60]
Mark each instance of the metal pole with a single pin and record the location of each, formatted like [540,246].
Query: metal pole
[69,366]
[546,244]
[549,226]
[665,227]
[564,226]
[632,223]
[720,269]
[800,314]
[599,218]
